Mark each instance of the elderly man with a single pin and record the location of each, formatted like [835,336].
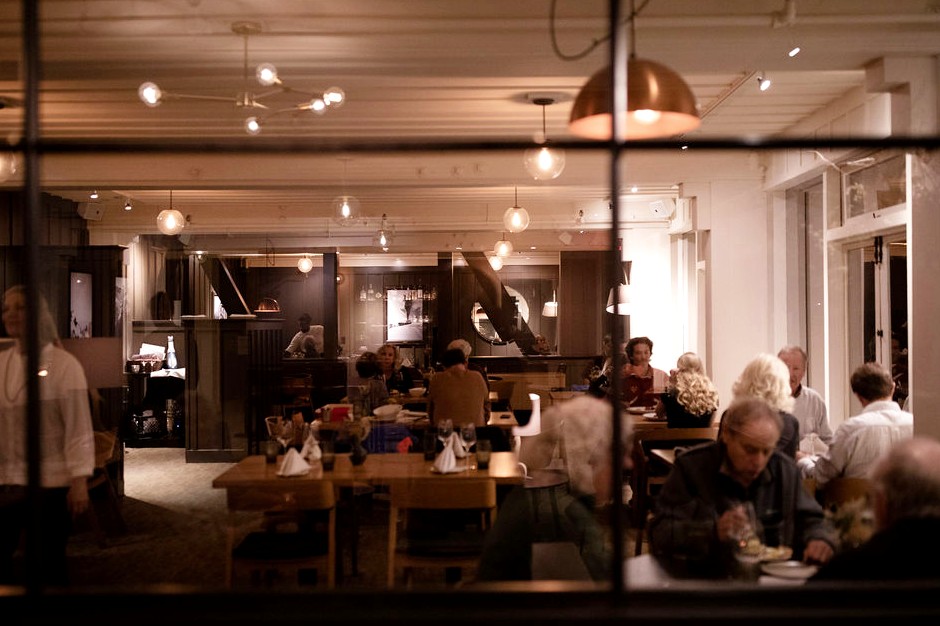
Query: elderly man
[862,440]
[906,494]
[808,406]
[700,515]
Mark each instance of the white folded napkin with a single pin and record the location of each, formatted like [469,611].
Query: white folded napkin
[457,445]
[293,464]
[446,461]
[311,450]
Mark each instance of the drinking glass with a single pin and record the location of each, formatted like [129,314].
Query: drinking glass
[327,456]
[484,449]
[468,436]
[444,430]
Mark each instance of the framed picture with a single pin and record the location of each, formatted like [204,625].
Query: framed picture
[80,295]
[404,315]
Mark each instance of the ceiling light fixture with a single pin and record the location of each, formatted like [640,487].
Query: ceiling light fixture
[544,163]
[659,102]
[266,74]
[93,195]
[127,204]
[170,221]
[503,247]
[763,82]
[345,206]
[305,264]
[516,219]
[496,263]
[384,237]
[795,50]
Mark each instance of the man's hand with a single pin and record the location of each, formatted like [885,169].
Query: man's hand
[732,524]
[817,551]
[77,497]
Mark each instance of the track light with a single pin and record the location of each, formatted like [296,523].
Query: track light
[763,82]
[93,195]
[127,204]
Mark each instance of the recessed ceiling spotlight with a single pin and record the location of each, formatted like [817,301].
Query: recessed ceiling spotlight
[93,195]
[127,204]
[763,82]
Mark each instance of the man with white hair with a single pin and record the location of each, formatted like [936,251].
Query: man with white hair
[906,502]
[808,406]
[464,345]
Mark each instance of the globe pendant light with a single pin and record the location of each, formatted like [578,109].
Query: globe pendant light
[503,248]
[305,264]
[659,102]
[516,219]
[544,163]
[170,221]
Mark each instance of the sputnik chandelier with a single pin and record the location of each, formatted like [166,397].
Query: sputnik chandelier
[266,74]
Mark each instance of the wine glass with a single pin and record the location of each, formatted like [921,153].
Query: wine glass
[444,430]
[468,435]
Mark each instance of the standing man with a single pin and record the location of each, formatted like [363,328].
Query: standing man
[808,406]
[700,514]
[861,441]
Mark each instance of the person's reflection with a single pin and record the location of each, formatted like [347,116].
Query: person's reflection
[67,445]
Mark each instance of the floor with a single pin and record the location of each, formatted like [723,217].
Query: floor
[176,531]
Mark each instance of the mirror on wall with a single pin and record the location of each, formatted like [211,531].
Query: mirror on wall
[483,326]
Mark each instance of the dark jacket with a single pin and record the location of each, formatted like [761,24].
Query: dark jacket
[908,550]
[678,417]
[696,493]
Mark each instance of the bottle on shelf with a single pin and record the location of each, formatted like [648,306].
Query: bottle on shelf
[171,360]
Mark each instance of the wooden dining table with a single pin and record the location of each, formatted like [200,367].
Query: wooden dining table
[378,469]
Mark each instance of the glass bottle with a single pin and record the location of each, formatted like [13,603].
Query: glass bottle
[171,362]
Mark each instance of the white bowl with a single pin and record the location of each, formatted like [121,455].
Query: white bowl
[416,392]
[386,411]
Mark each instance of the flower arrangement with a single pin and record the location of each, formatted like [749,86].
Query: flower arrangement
[854,521]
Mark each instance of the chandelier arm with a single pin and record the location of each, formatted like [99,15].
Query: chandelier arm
[268,94]
[186,96]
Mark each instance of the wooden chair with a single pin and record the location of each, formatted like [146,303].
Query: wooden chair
[105,446]
[642,480]
[451,547]
[839,491]
[301,537]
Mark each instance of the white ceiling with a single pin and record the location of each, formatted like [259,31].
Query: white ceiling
[413,70]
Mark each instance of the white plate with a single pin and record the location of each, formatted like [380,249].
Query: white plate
[638,410]
[789,569]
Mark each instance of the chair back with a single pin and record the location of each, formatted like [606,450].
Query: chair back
[443,494]
[839,491]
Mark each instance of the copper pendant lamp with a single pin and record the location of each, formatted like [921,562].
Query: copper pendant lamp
[659,102]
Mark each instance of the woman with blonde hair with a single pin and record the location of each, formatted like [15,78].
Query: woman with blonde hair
[691,399]
[768,378]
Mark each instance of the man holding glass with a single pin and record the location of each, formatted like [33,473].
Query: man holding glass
[702,518]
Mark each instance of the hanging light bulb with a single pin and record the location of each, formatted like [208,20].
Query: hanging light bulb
[544,163]
[345,206]
[503,248]
[496,263]
[253,126]
[516,219]
[305,264]
[170,221]
[384,238]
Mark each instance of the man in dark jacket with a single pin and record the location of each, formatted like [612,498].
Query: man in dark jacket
[700,516]
[906,494]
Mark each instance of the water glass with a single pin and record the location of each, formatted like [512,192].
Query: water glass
[484,449]
[271,448]
[327,455]
[429,443]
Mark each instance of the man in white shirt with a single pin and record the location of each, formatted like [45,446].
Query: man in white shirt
[863,440]
[808,406]
[308,342]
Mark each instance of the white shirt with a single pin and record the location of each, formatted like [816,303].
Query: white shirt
[810,410]
[67,442]
[860,442]
[296,343]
